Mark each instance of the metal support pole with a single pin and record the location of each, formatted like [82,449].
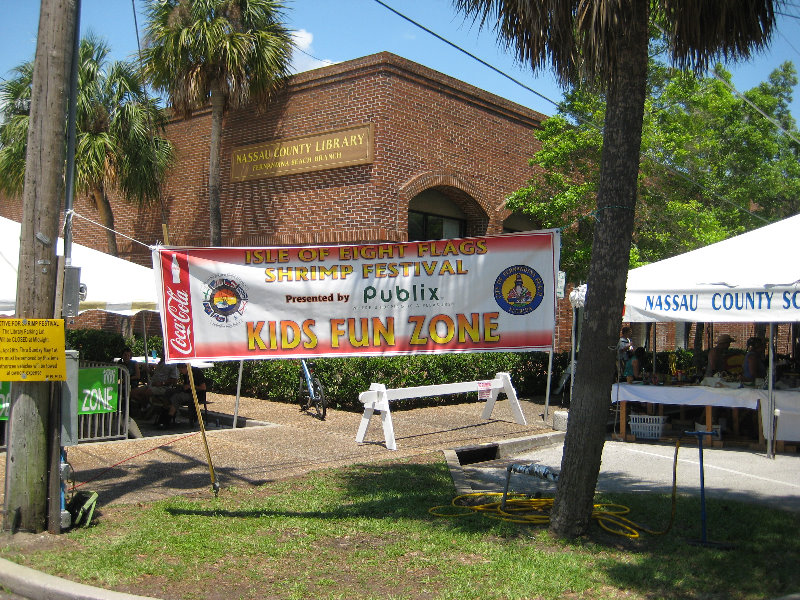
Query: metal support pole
[238,391]
[699,435]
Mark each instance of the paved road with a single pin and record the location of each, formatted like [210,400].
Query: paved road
[745,475]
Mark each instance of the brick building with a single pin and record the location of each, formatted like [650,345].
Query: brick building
[432,145]
[436,158]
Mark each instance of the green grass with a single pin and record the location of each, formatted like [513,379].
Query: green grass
[365,532]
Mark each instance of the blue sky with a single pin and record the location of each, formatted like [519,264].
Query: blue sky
[339,30]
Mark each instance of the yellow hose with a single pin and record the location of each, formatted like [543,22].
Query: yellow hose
[520,508]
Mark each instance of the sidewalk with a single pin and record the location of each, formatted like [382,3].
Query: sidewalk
[279,441]
[735,474]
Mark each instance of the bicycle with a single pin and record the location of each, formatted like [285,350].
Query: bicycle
[310,393]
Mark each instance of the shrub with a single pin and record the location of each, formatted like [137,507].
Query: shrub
[95,344]
[344,378]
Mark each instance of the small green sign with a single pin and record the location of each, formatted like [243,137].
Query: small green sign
[5,399]
[97,390]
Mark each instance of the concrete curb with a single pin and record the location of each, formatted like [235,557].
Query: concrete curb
[505,448]
[34,585]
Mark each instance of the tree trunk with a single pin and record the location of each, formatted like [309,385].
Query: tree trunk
[106,217]
[27,456]
[616,204]
[214,211]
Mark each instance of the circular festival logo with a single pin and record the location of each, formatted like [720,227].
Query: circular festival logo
[519,290]
[224,300]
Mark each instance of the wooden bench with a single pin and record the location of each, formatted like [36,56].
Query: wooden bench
[377,398]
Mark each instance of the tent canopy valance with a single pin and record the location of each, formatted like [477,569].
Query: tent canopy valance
[753,277]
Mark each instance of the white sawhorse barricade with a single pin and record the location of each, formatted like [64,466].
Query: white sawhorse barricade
[378,398]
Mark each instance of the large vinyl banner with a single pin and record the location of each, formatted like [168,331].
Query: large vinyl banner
[487,294]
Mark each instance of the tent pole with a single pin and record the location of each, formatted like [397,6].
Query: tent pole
[238,389]
[549,375]
[654,348]
[770,421]
[572,356]
[146,364]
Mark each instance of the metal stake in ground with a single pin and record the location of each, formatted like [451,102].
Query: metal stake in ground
[704,537]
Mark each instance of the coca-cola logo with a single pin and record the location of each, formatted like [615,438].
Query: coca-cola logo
[178,307]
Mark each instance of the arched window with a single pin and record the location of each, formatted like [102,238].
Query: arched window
[433,216]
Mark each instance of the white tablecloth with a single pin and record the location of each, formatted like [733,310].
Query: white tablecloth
[697,395]
[688,395]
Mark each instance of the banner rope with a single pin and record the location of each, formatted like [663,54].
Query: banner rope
[71,212]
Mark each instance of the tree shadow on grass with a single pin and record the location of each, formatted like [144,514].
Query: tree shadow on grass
[750,552]
[760,562]
[370,490]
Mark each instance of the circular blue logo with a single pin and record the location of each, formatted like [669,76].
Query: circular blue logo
[519,290]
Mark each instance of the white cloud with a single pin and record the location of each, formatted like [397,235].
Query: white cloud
[302,56]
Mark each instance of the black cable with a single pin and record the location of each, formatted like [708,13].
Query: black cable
[472,56]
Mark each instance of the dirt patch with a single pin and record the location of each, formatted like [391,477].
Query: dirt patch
[23,542]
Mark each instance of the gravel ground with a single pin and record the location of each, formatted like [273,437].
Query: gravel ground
[278,442]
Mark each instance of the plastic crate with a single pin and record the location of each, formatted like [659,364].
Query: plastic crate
[647,427]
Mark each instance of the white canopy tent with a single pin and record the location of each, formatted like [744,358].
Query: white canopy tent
[753,277]
[112,284]
[749,278]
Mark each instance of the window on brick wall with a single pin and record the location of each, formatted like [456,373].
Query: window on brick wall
[424,226]
[433,216]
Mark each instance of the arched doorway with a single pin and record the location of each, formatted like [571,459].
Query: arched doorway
[433,216]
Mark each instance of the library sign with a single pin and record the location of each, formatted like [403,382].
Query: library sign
[329,150]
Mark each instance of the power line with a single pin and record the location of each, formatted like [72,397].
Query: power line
[746,100]
[472,56]
[136,28]
[788,15]
[670,168]
[789,43]
[322,60]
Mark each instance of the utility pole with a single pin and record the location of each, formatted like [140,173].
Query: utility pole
[29,420]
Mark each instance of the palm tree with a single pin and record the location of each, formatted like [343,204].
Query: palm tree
[226,52]
[604,44]
[119,125]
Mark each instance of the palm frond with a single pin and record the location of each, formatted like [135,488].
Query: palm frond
[581,39]
[239,47]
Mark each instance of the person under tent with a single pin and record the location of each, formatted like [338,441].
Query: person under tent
[182,396]
[634,367]
[624,349]
[717,356]
[753,366]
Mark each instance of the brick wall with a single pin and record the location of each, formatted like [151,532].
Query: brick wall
[431,132]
